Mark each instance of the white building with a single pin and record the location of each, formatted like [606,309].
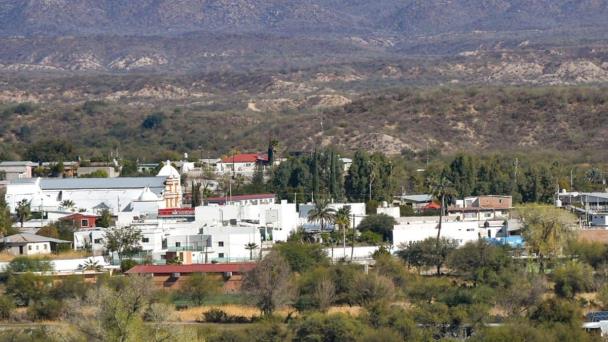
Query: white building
[279,219]
[243,164]
[410,229]
[96,194]
[357,212]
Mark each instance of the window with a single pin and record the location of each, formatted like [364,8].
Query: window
[37,247]
[98,241]
[220,243]
[45,247]
[145,240]
[84,223]
[220,255]
[29,247]
[178,244]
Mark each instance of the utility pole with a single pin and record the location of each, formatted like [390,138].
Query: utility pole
[352,251]
[571,179]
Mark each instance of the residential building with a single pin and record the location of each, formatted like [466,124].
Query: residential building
[243,164]
[479,208]
[81,220]
[10,170]
[417,202]
[30,244]
[418,228]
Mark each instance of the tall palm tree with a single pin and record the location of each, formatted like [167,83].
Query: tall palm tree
[251,247]
[441,188]
[23,210]
[322,213]
[343,222]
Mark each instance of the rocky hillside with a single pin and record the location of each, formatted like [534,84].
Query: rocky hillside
[410,17]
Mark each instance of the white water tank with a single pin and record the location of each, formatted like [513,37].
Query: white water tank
[558,203]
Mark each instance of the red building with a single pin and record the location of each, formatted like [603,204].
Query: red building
[81,220]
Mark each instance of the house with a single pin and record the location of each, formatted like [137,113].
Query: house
[418,228]
[243,164]
[30,244]
[81,220]
[490,207]
[10,170]
[254,199]
[173,276]
[417,202]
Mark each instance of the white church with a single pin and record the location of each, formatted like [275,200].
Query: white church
[137,194]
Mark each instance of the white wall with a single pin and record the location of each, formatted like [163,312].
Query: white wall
[462,232]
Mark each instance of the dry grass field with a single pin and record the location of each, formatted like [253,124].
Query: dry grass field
[194,313]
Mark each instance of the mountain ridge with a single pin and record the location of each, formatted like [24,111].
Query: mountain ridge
[409,17]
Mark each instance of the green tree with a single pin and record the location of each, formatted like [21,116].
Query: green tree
[380,224]
[7,305]
[555,310]
[29,264]
[27,287]
[114,311]
[427,253]
[572,278]
[342,220]
[479,262]
[6,223]
[269,284]
[23,211]
[547,230]
[328,328]
[105,219]
[302,256]
[373,288]
[198,287]
[123,240]
[322,214]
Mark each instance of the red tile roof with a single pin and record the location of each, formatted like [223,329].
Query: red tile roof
[194,268]
[245,158]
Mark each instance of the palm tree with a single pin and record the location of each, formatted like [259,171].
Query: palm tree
[23,210]
[343,222]
[322,213]
[251,247]
[441,188]
[90,265]
[68,204]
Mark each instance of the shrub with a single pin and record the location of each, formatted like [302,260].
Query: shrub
[6,307]
[572,278]
[220,316]
[199,287]
[30,264]
[127,264]
[45,309]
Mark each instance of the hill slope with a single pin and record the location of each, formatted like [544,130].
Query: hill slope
[409,17]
